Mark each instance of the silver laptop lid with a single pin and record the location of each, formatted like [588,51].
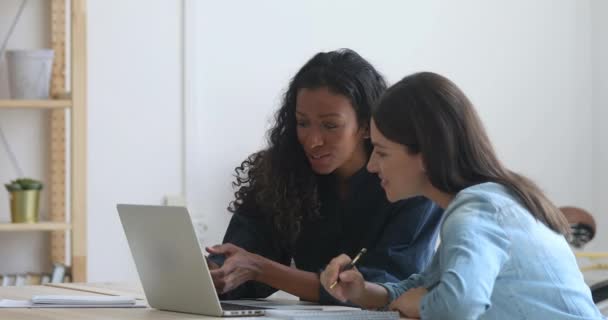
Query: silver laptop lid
[169,259]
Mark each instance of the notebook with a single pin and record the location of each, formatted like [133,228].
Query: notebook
[98,300]
[69,301]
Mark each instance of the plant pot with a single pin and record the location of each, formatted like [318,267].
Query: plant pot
[29,73]
[24,206]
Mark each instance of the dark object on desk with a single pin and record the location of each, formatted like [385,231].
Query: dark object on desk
[599,291]
[583,230]
[582,225]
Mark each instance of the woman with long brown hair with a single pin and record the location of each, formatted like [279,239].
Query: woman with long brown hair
[503,252]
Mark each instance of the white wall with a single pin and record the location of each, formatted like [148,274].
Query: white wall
[135,120]
[599,31]
[25,131]
[525,64]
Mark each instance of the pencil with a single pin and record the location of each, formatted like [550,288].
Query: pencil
[349,266]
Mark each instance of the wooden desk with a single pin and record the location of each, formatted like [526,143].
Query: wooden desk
[102,288]
[76,313]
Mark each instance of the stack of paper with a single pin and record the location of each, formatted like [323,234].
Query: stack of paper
[70,301]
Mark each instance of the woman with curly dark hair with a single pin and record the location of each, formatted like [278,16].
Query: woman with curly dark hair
[308,197]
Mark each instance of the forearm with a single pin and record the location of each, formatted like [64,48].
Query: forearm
[300,283]
[374,296]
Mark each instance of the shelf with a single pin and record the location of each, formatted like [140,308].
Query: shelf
[66,112]
[36,104]
[40,226]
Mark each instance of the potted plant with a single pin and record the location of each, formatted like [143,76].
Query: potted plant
[25,198]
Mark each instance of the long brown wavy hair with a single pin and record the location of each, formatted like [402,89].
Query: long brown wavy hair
[278,181]
[428,113]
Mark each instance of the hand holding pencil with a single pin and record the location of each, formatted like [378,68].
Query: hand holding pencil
[342,280]
[348,266]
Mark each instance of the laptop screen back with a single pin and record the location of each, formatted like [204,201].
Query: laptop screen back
[169,259]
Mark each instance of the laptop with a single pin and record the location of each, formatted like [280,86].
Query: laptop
[170,262]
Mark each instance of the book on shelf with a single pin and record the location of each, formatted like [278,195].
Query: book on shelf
[45,278]
[59,272]
[20,280]
[33,279]
[8,280]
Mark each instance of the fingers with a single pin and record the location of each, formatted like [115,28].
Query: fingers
[224,270]
[212,265]
[330,275]
[342,260]
[235,279]
[399,304]
[219,284]
[225,280]
[336,291]
[222,280]
[225,249]
[217,275]
[396,307]
[350,276]
[333,269]
[222,275]
[229,275]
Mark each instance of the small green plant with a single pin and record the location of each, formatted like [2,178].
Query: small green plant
[23,184]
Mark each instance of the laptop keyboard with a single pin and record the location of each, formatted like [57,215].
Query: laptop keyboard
[236,307]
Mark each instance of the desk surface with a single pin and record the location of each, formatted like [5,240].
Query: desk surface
[76,313]
[87,313]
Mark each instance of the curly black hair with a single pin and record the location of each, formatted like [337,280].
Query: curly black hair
[278,181]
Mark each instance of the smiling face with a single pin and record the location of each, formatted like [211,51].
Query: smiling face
[329,132]
[401,172]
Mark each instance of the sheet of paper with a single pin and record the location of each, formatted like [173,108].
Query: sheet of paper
[8,303]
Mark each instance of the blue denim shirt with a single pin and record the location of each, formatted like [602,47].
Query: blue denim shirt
[496,261]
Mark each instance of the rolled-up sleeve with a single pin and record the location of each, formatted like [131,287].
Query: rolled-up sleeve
[395,289]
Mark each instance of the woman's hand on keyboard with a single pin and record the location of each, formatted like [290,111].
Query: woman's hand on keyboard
[239,267]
